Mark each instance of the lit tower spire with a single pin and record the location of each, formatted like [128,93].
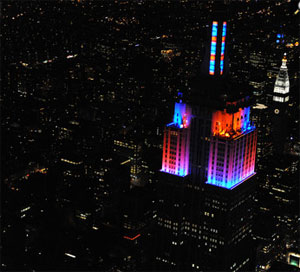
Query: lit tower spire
[217,47]
[282,84]
[280,103]
[215,61]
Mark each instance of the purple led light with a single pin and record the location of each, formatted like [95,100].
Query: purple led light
[176,142]
[232,148]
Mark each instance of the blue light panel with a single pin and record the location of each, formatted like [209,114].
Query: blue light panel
[180,174]
[221,65]
[224,31]
[229,185]
[222,48]
[214,30]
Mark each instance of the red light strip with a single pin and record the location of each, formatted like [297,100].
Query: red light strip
[131,238]
[223,47]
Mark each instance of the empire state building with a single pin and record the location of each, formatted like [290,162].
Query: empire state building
[207,179]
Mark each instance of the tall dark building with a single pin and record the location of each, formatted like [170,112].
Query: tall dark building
[280,103]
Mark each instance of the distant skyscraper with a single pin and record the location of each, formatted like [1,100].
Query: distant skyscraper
[282,84]
[280,103]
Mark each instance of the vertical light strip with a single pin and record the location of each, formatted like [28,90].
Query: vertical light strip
[223,47]
[213,47]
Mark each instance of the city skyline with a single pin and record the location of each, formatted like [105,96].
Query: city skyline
[150,135]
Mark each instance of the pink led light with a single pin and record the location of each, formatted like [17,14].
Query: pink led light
[177,141]
[233,133]
[176,150]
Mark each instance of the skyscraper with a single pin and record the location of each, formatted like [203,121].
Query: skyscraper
[229,189]
[280,103]
[206,183]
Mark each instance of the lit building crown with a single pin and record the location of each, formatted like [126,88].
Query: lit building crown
[176,142]
[232,148]
[182,116]
[284,60]
[282,83]
[231,125]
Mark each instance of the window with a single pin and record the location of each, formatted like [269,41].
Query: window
[278,99]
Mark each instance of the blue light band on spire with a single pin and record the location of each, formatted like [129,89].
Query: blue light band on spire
[223,47]
[213,48]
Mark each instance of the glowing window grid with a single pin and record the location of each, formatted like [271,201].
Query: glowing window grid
[176,142]
[231,158]
[237,164]
[213,48]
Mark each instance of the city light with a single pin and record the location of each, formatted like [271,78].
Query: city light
[213,47]
[226,124]
[230,184]
[175,159]
[232,148]
[223,47]
[182,115]
[70,255]
[150,135]
[132,238]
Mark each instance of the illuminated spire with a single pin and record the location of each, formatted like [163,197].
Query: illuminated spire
[215,59]
[282,83]
[284,60]
[217,47]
